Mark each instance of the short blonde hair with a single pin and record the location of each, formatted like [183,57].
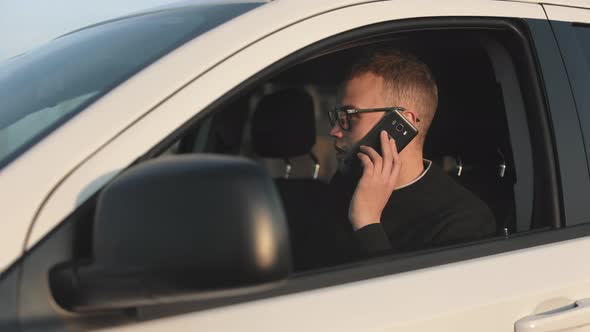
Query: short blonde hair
[408,82]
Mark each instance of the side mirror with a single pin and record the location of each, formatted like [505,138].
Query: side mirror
[190,226]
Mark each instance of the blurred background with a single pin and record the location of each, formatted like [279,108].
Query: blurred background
[25,24]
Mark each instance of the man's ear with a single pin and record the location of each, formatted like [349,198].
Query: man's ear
[412,117]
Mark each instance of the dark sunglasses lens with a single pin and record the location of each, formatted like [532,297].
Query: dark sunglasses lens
[343,120]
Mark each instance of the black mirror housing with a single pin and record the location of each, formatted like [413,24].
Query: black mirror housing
[178,225]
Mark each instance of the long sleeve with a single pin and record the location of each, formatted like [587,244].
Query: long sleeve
[372,240]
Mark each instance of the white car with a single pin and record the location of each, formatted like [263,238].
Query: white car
[120,212]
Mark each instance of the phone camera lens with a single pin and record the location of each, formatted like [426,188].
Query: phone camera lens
[399,127]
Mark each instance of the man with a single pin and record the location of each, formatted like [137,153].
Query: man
[401,202]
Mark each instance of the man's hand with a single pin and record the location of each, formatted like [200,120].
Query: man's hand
[378,181]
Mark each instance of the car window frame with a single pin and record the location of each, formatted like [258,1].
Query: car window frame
[396,263]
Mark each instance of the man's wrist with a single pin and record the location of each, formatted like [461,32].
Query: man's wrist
[372,240]
[358,225]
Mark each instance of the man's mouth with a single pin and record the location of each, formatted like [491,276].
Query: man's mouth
[340,152]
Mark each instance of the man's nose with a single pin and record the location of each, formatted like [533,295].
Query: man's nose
[336,131]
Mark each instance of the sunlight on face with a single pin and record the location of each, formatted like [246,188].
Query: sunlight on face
[362,91]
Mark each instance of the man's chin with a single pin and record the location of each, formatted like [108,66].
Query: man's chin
[344,166]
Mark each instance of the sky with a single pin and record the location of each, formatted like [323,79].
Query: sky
[25,24]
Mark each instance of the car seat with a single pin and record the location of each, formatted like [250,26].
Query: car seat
[282,128]
[469,135]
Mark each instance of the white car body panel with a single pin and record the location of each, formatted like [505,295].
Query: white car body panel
[558,13]
[570,3]
[469,296]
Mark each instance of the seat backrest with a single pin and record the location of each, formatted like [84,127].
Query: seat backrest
[283,124]
[469,135]
[283,127]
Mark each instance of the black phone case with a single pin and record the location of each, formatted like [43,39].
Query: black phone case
[396,125]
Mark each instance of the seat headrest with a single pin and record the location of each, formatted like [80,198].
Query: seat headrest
[283,124]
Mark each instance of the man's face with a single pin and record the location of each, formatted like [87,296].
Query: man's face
[363,91]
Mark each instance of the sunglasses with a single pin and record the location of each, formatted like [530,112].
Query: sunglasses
[341,114]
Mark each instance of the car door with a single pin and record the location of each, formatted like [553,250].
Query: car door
[483,287]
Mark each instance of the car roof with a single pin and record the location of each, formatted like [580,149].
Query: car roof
[569,3]
[189,3]
[184,3]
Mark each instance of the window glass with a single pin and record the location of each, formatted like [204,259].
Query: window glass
[582,34]
[574,42]
[43,88]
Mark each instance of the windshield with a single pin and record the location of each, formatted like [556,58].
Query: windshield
[42,89]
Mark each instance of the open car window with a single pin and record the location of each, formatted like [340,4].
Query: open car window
[480,135]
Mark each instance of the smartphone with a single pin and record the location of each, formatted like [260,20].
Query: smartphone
[396,125]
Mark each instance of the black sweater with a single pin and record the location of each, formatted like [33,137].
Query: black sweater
[432,211]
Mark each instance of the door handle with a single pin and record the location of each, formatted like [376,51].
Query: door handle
[557,320]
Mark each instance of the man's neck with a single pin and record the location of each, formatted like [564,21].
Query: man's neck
[412,167]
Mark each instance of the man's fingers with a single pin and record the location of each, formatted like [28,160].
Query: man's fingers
[396,162]
[394,153]
[386,151]
[375,157]
[367,164]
